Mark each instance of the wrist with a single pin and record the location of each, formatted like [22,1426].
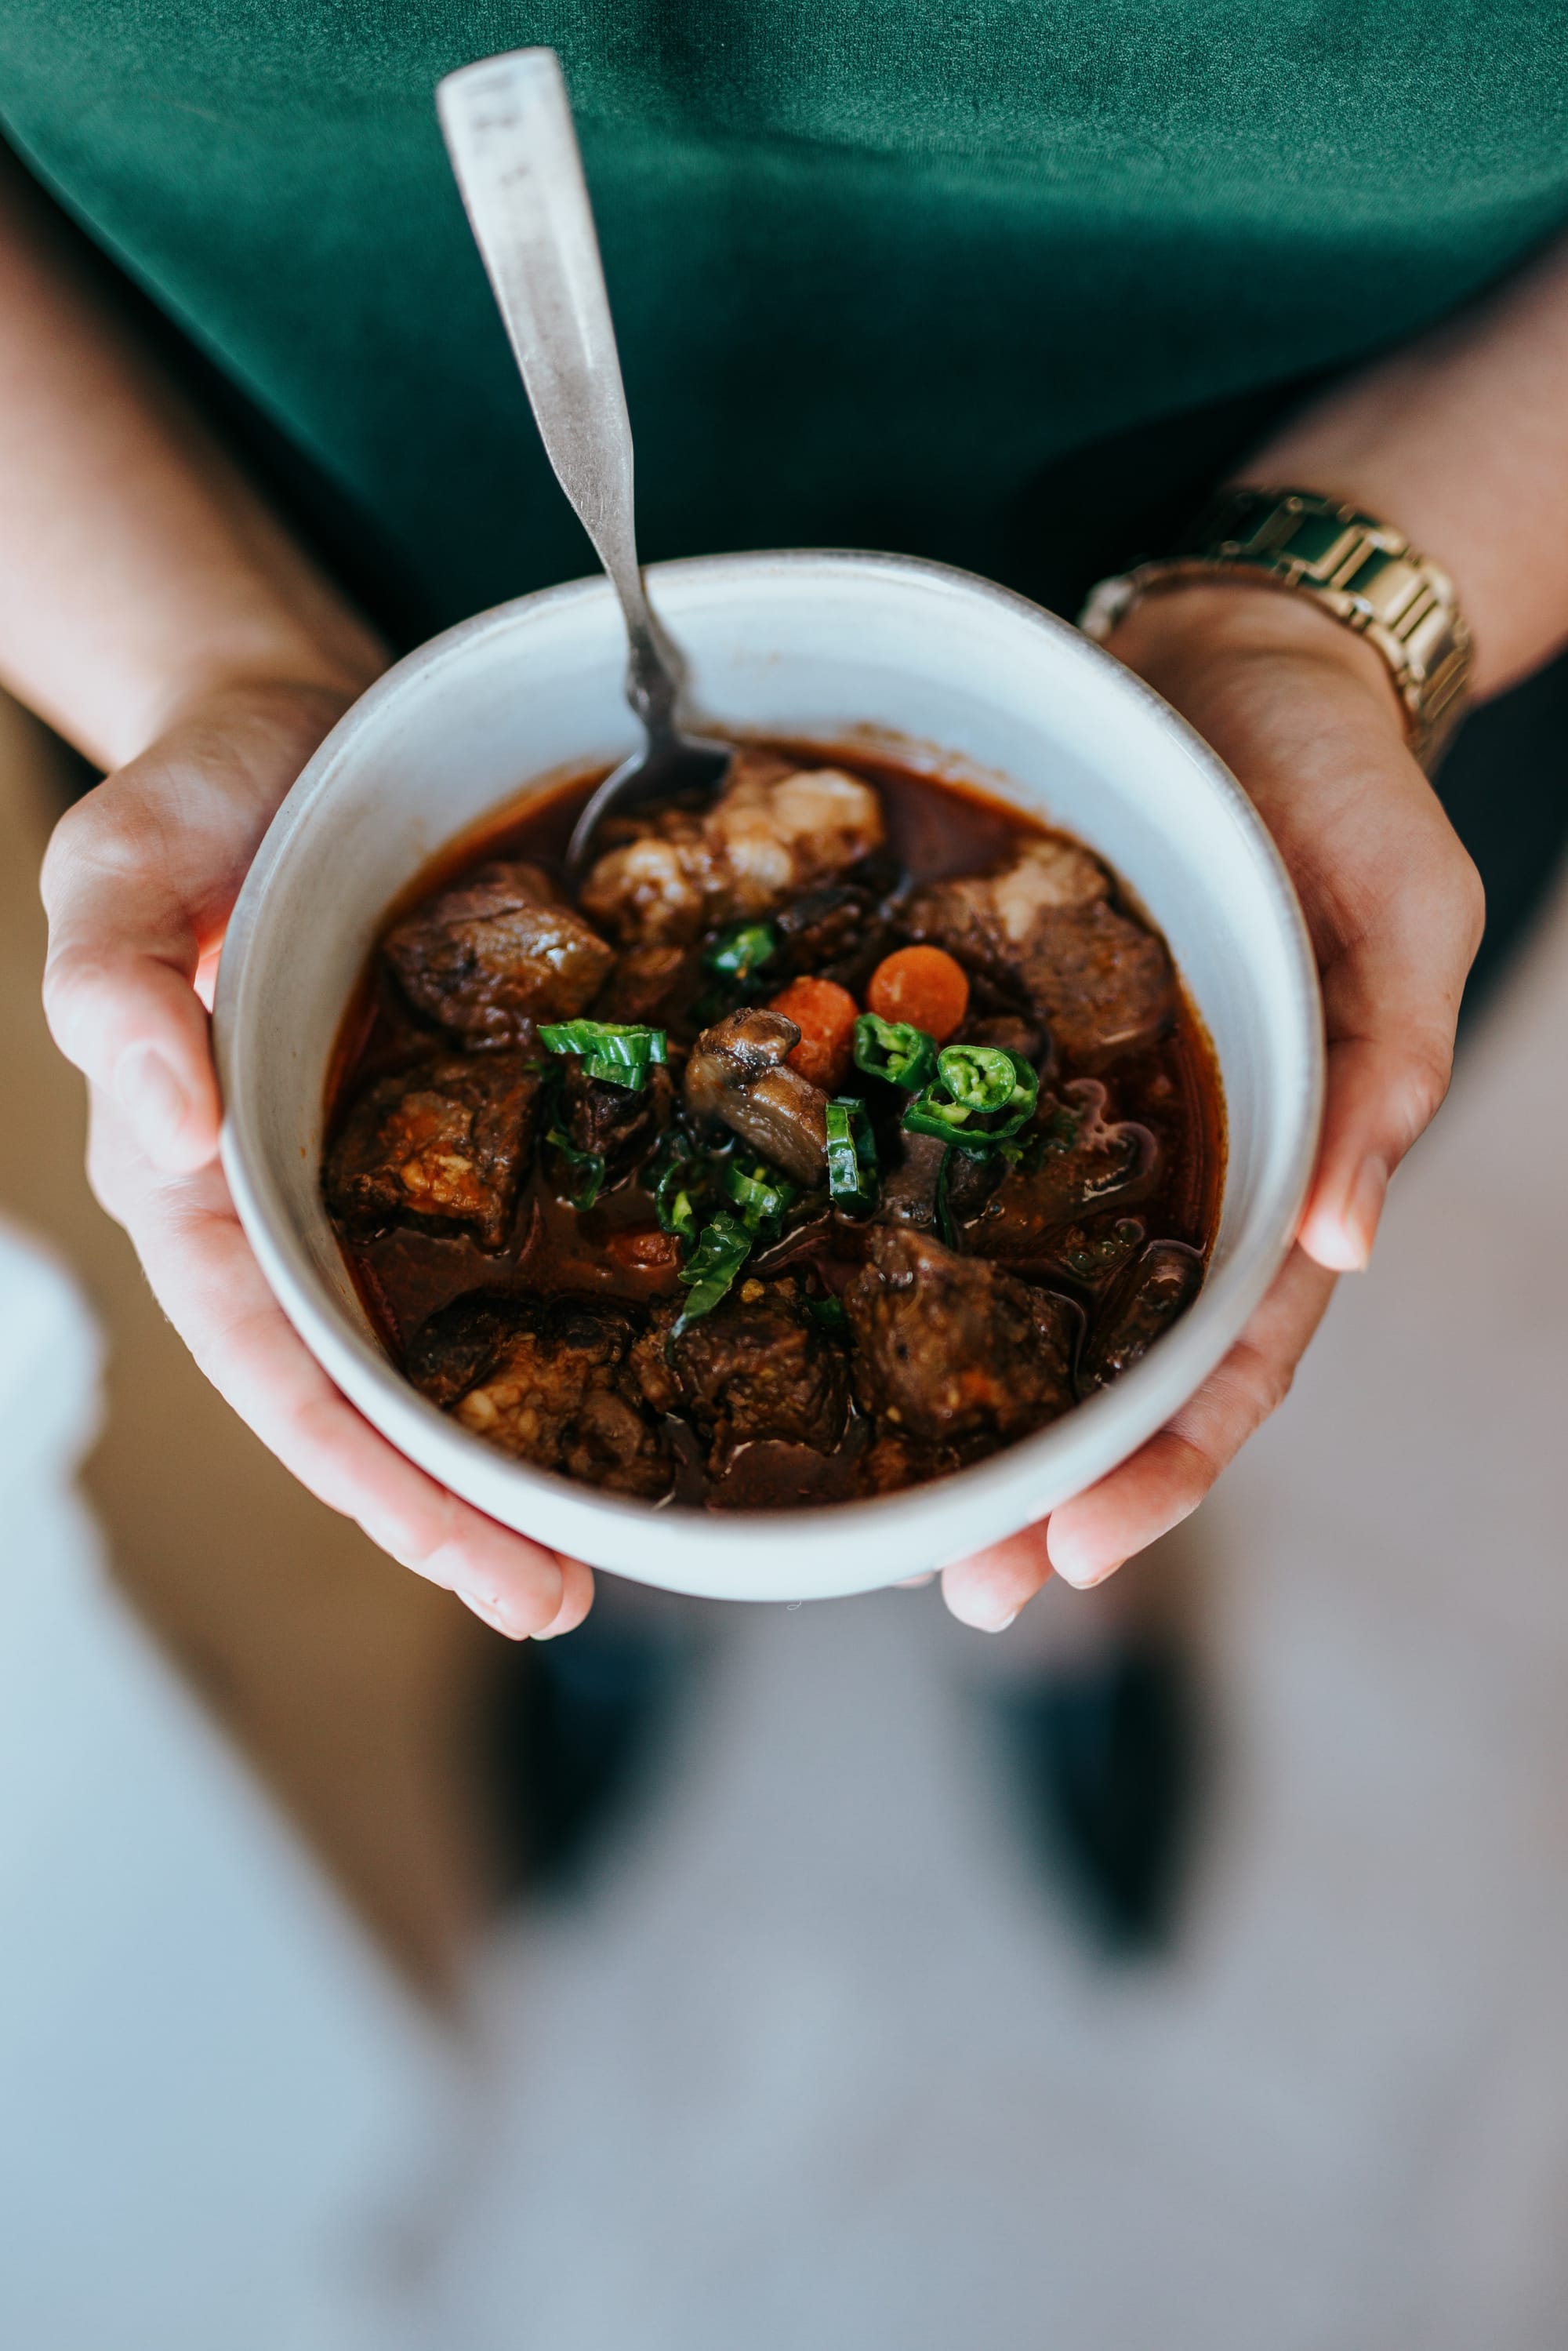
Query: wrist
[1204,624]
[278,671]
[301,710]
[238,730]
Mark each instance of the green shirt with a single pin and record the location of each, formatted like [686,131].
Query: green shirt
[877,266]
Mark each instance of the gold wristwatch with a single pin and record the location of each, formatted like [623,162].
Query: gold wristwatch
[1363,571]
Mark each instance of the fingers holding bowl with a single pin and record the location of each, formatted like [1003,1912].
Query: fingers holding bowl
[1392,993]
[987,1590]
[118,989]
[138,880]
[209,1284]
[1086,1539]
[1164,1482]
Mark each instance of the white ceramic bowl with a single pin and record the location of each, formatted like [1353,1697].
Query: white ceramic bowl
[977,682]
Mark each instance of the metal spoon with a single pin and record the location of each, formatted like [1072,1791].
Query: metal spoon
[508,131]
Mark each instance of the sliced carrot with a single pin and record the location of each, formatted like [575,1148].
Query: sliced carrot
[825,1014]
[923,986]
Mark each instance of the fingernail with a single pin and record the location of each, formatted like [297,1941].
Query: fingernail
[146,1087]
[1365,1206]
[491,1610]
[1000,1624]
[1100,1574]
[1085,1578]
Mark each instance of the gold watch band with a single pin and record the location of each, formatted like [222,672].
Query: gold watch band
[1362,570]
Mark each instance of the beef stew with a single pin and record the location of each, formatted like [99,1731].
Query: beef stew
[825,1140]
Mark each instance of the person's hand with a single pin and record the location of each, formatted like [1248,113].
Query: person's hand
[140,880]
[1305,715]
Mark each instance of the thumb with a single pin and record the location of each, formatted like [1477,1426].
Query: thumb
[1391,1000]
[118,991]
[140,880]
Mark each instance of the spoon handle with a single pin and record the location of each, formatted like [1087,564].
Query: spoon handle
[508,131]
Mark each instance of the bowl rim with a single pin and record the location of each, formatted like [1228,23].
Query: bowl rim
[1147,1394]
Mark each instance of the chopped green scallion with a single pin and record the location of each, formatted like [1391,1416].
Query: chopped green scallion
[674,1205]
[743,949]
[760,1194]
[723,1247]
[618,1052]
[851,1153]
[590,1164]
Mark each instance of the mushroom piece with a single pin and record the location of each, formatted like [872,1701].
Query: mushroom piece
[737,1074]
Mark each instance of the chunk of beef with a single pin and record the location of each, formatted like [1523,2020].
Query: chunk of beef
[446,1141]
[909,1187]
[1103,982]
[1044,922]
[454,1348]
[891,1461]
[655,890]
[737,1074]
[756,1366]
[1156,1289]
[498,952]
[774,832]
[1010,1032]
[836,933]
[647,984]
[970,1184]
[1076,1161]
[778,835]
[985,918]
[909,1191]
[549,1382]
[953,1350]
[617,1121]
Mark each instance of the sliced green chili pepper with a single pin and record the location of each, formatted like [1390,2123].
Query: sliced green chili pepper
[894,1050]
[590,1163]
[743,949]
[829,1312]
[759,1192]
[851,1153]
[979,1096]
[980,1077]
[723,1247]
[618,1052]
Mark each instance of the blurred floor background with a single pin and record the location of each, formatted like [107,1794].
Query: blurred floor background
[820,2057]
